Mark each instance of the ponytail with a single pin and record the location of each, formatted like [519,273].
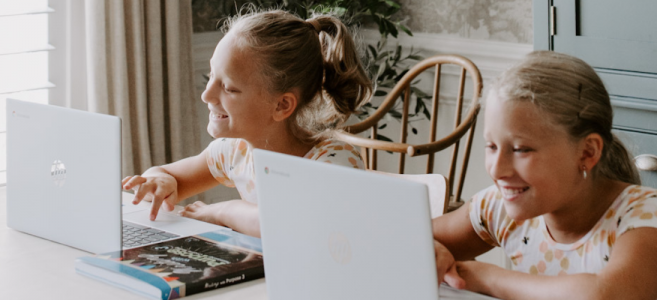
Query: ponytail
[345,80]
[616,163]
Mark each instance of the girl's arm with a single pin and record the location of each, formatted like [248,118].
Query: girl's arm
[240,215]
[630,274]
[455,232]
[192,175]
[455,240]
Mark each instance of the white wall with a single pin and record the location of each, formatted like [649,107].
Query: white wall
[491,58]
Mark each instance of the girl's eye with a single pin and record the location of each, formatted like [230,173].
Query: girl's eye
[491,147]
[522,150]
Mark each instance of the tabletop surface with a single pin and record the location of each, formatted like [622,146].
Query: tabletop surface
[34,268]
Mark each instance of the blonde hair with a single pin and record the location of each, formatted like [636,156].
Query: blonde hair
[317,57]
[573,96]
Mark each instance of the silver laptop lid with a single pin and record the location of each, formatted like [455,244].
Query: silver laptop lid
[331,232]
[64,175]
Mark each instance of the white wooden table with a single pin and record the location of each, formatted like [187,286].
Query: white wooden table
[34,268]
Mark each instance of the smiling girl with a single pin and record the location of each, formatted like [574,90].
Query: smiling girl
[566,207]
[278,83]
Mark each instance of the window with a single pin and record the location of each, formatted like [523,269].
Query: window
[24,58]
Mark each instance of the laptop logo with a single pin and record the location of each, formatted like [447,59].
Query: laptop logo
[339,248]
[58,173]
[15,114]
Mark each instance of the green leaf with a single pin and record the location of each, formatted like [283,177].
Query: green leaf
[393,4]
[373,51]
[414,130]
[392,10]
[397,53]
[340,11]
[395,114]
[383,138]
[383,55]
[426,113]
[382,69]
[399,77]
[380,93]
[418,105]
[419,92]
[403,28]
[383,126]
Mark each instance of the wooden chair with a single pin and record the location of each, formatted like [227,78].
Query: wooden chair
[369,146]
[437,188]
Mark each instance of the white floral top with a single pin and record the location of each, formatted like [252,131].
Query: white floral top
[531,248]
[231,162]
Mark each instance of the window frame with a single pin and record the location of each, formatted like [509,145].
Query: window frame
[65,41]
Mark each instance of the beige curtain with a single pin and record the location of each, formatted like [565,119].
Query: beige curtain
[139,67]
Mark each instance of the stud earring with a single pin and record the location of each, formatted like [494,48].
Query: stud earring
[584,174]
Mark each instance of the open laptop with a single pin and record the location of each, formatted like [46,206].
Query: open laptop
[64,182]
[331,232]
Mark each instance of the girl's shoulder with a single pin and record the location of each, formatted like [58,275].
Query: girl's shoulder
[637,193]
[487,204]
[635,207]
[336,152]
[635,196]
[229,151]
[488,217]
[331,145]
[228,145]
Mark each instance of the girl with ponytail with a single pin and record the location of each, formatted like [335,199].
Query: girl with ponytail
[566,201]
[278,83]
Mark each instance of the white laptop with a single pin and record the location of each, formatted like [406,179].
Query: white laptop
[64,182]
[331,232]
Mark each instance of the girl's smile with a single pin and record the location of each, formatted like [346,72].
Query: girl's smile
[217,116]
[512,193]
[533,162]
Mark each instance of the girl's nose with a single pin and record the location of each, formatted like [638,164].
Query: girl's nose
[210,95]
[499,166]
[204,96]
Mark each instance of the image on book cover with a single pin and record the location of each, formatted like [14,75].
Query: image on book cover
[194,264]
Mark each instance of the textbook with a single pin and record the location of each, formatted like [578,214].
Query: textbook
[180,267]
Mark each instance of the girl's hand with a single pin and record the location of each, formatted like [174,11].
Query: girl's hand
[477,275]
[239,215]
[446,267]
[159,189]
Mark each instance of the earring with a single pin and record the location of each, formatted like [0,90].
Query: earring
[584,174]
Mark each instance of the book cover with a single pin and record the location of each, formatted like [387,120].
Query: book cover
[179,267]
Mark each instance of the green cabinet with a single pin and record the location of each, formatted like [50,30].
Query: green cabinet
[619,39]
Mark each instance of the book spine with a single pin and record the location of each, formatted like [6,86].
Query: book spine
[224,281]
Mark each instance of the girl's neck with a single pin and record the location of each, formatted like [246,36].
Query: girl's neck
[285,143]
[587,206]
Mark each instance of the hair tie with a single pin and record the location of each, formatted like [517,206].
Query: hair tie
[315,24]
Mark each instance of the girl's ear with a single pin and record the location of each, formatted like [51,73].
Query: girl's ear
[592,146]
[285,106]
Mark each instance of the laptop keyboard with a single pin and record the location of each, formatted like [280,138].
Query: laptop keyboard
[136,235]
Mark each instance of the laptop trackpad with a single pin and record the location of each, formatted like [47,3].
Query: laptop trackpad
[171,222]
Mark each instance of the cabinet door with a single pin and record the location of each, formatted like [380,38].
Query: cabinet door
[610,34]
[617,38]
